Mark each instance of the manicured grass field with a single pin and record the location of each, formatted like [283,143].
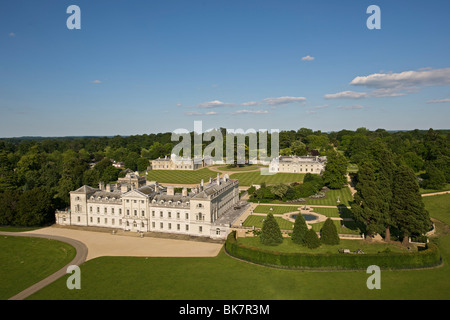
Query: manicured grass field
[328,212]
[181,176]
[244,168]
[276,209]
[257,221]
[446,187]
[25,261]
[438,207]
[350,227]
[250,178]
[352,245]
[344,195]
[225,278]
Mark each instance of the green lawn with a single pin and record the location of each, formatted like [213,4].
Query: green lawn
[350,227]
[257,221]
[289,246]
[225,278]
[438,207]
[244,168]
[446,187]
[181,176]
[25,261]
[250,178]
[276,209]
[344,195]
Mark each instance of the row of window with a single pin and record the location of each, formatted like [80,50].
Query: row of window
[169,215]
[105,211]
[169,226]
[301,170]
[135,212]
[135,201]
[161,224]
[178,167]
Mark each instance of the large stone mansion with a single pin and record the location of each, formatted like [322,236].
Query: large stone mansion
[135,204]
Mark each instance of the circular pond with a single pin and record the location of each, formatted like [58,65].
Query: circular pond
[307,216]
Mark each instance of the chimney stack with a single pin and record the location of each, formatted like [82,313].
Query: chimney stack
[218,179]
[170,191]
[156,187]
[184,192]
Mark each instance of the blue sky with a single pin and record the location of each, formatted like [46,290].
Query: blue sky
[139,67]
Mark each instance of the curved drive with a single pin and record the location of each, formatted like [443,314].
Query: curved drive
[80,257]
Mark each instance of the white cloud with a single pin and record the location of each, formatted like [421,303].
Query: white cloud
[251,112]
[275,101]
[251,103]
[283,100]
[378,93]
[308,58]
[353,107]
[439,100]
[193,113]
[96,81]
[214,104]
[346,95]
[12,34]
[395,84]
[406,79]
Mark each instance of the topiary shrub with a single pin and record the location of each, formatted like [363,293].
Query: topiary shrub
[328,233]
[300,230]
[312,241]
[270,233]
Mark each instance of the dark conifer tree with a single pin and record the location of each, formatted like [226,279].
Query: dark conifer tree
[312,240]
[409,213]
[328,233]
[300,230]
[271,233]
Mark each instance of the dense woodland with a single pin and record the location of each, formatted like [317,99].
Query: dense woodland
[37,174]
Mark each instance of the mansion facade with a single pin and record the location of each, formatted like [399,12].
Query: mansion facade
[134,204]
[296,164]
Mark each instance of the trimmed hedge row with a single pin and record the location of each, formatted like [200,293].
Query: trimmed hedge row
[425,258]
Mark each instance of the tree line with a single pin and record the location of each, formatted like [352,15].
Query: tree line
[37,174]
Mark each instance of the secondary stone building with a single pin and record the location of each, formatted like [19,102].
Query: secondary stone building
[173,163]
[131,205]
[296,164]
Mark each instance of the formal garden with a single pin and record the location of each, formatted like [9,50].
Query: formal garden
[320,247]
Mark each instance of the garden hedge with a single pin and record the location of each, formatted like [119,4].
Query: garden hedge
[426,258]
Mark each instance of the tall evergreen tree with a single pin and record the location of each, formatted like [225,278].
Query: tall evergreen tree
[328,233]
[300,230]
[373,200]
[271,233]
[409,213]
[312,241]
[367,204]
[335,174]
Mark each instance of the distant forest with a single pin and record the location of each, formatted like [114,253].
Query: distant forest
[37,173]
